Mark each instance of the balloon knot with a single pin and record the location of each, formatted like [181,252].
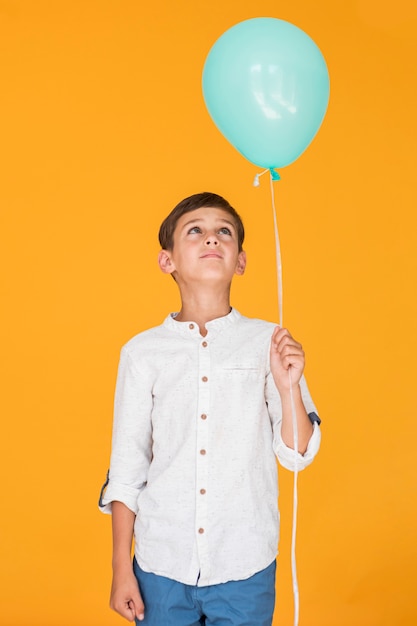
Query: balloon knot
[256,181]
[273,173]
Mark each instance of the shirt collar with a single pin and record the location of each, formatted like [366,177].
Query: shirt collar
[191,328]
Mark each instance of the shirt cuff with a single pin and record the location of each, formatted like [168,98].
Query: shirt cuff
[290,459]
[114,491]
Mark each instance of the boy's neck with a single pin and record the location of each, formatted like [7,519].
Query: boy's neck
[203,307]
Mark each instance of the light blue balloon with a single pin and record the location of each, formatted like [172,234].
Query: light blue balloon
[266,86]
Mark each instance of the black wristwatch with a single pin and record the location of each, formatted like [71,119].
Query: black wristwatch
[314,418]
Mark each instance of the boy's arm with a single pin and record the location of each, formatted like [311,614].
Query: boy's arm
[125,596]
[304,425]
[287,366]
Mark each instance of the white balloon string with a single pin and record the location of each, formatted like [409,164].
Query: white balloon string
[277,250]
[294,510]
[296,593]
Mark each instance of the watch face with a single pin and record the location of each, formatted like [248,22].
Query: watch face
[314,418]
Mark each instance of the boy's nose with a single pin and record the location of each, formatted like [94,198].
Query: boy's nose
[212,239]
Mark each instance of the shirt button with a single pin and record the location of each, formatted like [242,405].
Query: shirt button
[201,530]
[204,344]
[204,379]
[191,326]
[202,491]
[203,416]
[202,452]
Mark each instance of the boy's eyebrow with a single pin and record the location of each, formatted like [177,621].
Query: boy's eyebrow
[201,219]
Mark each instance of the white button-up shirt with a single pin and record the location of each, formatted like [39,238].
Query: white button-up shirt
[196,430]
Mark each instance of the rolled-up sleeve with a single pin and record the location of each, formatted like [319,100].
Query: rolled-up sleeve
[132,436]
[292,460]
[288,457]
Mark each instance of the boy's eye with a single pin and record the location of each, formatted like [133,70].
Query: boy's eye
[222,231]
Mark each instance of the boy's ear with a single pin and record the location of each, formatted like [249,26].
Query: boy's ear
[165,262]
[241,263]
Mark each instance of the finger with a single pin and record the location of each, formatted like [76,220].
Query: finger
[129,609]
[288,347]
[291,355]
[135,611]
[277,338]
[294,361]
[282,337]
[140,612]
[288,344]
[279,333]
[290,351]
[125,610]
[138,606]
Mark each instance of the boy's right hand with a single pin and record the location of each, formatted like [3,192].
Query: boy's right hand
[125,597]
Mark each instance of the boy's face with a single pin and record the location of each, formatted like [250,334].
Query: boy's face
[205,248]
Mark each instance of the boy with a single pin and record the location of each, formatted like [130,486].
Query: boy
[202,406]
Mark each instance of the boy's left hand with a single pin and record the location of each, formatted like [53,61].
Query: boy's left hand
[286,355]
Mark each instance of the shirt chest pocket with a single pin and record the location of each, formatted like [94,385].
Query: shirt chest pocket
[242,369]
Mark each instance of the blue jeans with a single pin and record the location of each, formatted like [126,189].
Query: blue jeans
[247,602]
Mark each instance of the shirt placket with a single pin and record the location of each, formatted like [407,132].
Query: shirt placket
[203,458]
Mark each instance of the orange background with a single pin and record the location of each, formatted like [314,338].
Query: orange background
[103,130]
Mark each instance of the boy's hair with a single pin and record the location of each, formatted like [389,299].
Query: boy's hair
[197,201]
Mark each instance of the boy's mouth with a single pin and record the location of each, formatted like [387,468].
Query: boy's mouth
[211,255]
